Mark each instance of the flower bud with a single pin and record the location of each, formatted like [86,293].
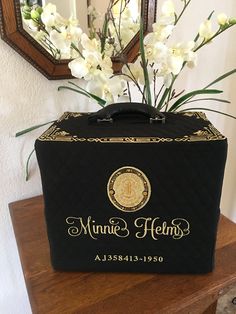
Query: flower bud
[39,10]
[222,19]
[168,8]
[26,8]
[232,21]
[205,30]
[34,14]
[26,12]
[26,15]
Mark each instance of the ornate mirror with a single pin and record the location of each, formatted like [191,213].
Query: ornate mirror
[20,37]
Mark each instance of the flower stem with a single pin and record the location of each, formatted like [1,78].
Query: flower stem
[220,31]
[129,92]
[159,93]
[73,46]
[144,66]
[182,12]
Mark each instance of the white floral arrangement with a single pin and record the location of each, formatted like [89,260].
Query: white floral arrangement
[156,68]
[61,37]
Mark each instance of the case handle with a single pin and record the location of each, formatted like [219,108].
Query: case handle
[108,113]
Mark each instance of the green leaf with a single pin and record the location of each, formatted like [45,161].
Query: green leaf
[207,99]
[82,91]
[210,16]
[212,110]
[32,128]
[98,99]
[184,98]
[72,89]
[144,65]
[72,83]
[104,33]
[163,98]
[73,46]
[222,77]
[27,174]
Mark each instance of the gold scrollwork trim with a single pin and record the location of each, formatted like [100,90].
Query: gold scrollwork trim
[55,134]
[67,115]
[209,133]
[197,114]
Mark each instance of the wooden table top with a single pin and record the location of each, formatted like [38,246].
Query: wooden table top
[123,293]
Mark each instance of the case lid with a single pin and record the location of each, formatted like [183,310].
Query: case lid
[132,128]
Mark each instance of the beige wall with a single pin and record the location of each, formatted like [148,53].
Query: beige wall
[27,98]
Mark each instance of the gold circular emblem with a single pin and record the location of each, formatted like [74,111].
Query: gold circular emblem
[129,189]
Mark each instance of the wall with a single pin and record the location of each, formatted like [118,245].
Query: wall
[27,98]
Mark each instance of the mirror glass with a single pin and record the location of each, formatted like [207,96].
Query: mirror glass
[123,21]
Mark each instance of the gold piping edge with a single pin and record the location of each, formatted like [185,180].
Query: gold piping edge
[208,133]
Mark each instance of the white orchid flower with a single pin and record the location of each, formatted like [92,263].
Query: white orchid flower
[180,53]
[151,53]
[32,25]
[40,35]
[106,66]
[60,40]
[74,33]
[116,86]
[63,38]
[164,20]
[205,30]
[185,50]
[49,15]
[78,67]
[156,52]
[106,89]
[168,8]
[123,98]
[161,50]
[222,19]
[73,22]
[95,87]
[162,32]
[166,31]
[126,13]
[188,53]
[92,11]
[192,61]
[175,64]
[150,39]
[127,34]
[90,44]
[95,54]
[173,60]
[108,49]
[167,80]
[86,68]
[135,71]
[164,72]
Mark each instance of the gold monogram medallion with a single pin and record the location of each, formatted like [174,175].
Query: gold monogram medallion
[129,189]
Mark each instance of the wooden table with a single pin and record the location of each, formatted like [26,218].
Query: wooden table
[83,293]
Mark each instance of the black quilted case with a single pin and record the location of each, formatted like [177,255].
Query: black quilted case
[127,189]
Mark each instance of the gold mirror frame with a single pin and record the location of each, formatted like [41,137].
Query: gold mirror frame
[13,33]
